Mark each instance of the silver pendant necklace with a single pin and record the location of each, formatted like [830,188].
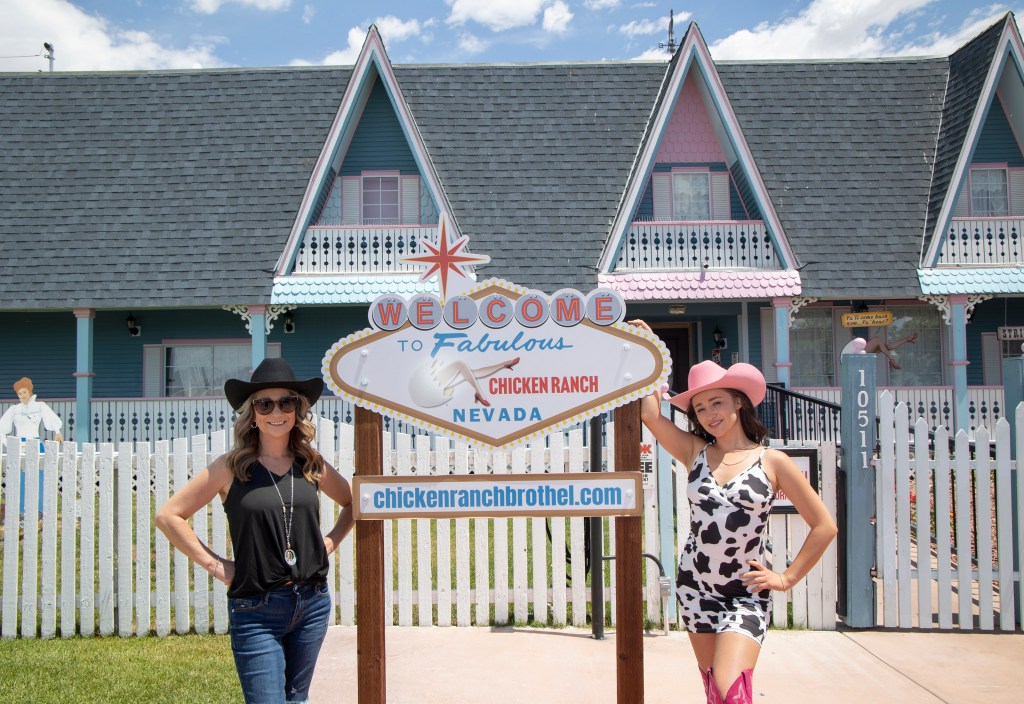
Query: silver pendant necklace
[286,514]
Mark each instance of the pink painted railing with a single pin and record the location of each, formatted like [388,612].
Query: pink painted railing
[719,244]
[983,241]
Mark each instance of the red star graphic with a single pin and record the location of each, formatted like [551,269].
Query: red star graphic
[444,259]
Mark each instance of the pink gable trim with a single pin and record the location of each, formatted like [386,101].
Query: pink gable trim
[690,136]
[706,285]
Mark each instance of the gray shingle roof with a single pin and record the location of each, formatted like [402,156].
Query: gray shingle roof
[845,150]
[534,158]
[154,188]
[179,189]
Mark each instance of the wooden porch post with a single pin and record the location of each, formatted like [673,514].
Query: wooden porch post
[369,459]
[629,632]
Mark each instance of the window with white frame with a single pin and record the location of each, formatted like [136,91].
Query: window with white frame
[195,369]
[919,360]
[989,193]
[691,195]
[688,194]
[811,348]
[380,200]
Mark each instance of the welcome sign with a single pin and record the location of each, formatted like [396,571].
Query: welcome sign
[498,363]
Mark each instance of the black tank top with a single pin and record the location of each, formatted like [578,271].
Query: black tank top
[257,528]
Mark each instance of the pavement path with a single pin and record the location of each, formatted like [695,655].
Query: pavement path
[542,666]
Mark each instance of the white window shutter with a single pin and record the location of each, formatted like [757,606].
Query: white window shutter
[720,209]
[351,200]
[661,185]
[1016,191]
[152,371]
[991,360]
[771,372]
[962,210]
[410,194]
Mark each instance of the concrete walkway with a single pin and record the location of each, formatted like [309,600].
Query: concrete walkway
[542,666]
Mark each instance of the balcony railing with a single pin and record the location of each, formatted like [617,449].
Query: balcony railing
[984,241]
[360,249]
[719,244]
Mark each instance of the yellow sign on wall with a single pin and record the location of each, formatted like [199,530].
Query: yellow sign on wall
[871,319]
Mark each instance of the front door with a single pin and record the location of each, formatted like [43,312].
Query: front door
[677,339]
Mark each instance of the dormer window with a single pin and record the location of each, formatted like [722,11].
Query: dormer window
[691,195]
[992,191]
[989,194]
[375,199]
[380,200]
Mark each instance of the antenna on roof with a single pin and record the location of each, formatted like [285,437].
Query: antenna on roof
[48,47]
[671,46]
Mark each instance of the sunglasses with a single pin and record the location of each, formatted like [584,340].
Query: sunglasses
[264,406]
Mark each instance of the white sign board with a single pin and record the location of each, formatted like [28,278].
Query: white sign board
[499,364]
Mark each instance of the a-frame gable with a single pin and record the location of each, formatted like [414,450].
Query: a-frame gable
[371,66]
[983,73]
[693,55]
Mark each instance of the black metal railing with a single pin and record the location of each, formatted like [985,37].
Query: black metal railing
[794,417]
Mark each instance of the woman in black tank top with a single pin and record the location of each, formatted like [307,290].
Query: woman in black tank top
[269,486]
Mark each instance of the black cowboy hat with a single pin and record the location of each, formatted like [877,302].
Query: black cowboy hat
[272,373]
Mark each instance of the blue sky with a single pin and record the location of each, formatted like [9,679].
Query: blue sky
[163,34]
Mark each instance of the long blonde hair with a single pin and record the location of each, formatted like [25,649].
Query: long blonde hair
[246,447]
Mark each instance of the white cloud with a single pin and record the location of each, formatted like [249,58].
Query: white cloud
[644,27]
[88,42]
[308,11]
[472,44]
[600,4]
[843,29]
[557,18]
[497,15]
[209,7]
[392,31]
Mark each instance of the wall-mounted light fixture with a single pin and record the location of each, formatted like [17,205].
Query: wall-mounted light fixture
[719,340]
[134,329]
[288,323]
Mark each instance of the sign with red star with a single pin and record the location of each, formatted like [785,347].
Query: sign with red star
[444,258]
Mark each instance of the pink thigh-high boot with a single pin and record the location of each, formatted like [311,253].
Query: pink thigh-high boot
[705,677]
[740,692]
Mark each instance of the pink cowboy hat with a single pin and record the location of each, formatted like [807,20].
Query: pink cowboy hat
[707,375]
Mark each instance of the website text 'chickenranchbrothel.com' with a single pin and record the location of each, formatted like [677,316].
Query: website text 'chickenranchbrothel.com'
[608,494]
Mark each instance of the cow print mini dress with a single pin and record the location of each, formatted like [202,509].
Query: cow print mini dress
[727,528]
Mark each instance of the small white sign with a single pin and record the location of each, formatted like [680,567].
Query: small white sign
[1015,332]
[492,495]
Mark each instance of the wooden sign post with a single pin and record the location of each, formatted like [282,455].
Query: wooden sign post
[369,461]
[629,617]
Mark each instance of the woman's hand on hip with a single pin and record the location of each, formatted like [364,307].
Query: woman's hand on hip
[224,571]
[760,579]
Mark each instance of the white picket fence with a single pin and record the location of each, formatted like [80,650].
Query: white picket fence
[91,561]
[946,523]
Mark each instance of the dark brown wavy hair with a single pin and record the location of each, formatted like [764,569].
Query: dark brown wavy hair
[751,424]
[245,450]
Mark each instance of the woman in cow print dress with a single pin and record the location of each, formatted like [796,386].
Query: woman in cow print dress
[723,587]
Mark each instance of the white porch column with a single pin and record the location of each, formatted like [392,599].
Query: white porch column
[258,329]
[85,319]
[780,308]
[958,345]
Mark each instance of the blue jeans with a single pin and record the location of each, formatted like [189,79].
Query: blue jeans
[275,638]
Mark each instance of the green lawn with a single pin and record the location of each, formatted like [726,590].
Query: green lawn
[193,668]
